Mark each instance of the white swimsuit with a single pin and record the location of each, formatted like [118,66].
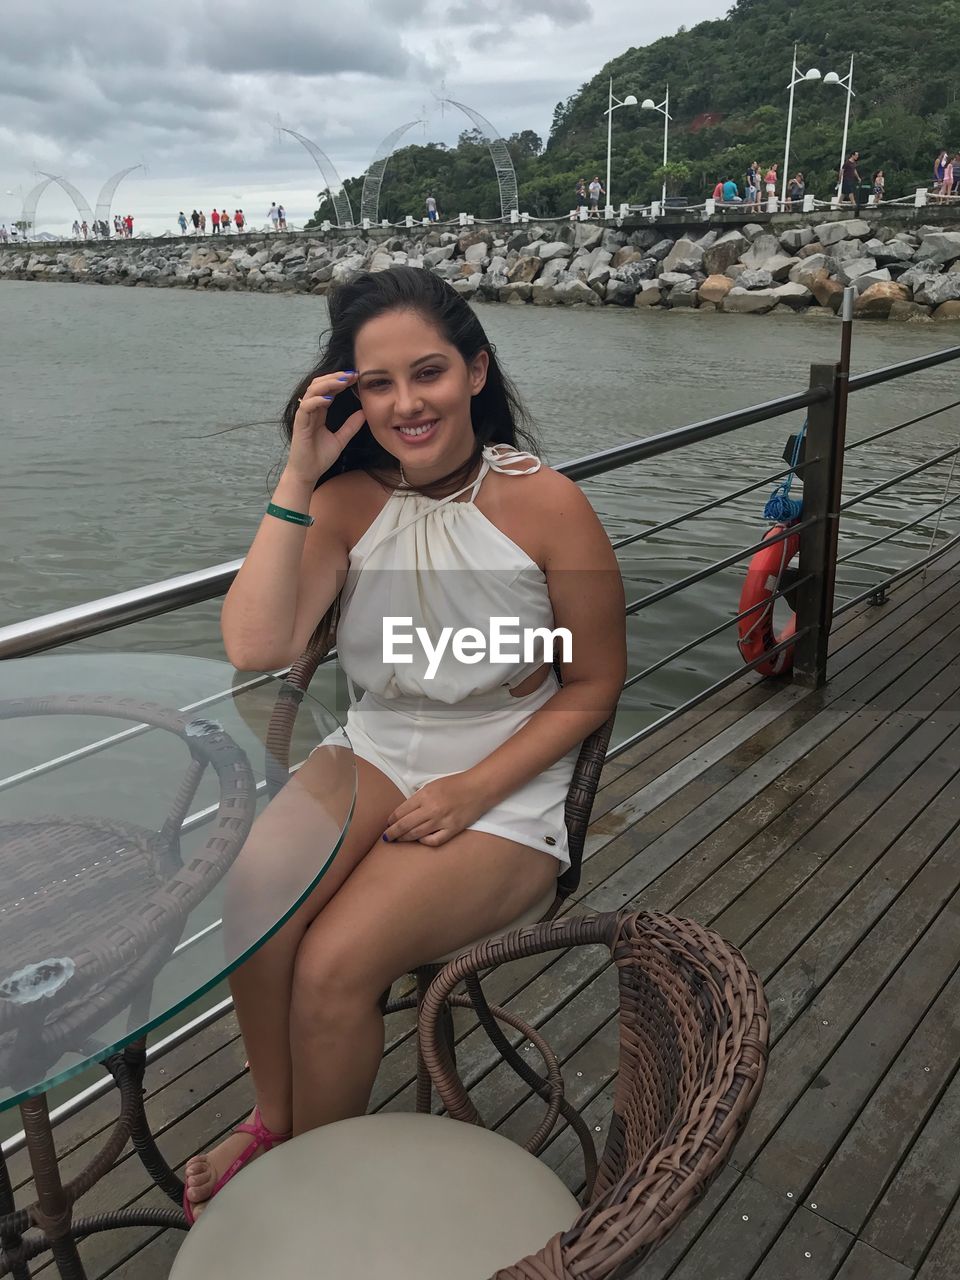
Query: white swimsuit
[442,563]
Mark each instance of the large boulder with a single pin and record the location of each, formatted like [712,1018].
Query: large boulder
[554,249]
[917,276]
[624,256]
[683,294]
[908,311]
[870,278]
[947,311]
[587,235]
[754,278]
[808,268]
[715,288]
[937,289]
[723,253]
[476,235]
[749,302]
[847,250]
[476,253]
[648,295]
[761,250]
[829,293]
[553,270]
[514,293]
[570,292]
[668,279]
[467,286]
[780,266]
[685,256]
[795,296]
[752,230]
[525,270]
[796,238]
[848,272]
[597,279]
[875,303]
[939,246]
[620,293]
[850,229]
[660,250]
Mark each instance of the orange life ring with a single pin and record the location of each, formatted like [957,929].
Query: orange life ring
[764,576]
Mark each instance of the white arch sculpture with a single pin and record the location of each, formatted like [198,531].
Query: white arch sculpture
[108,191]
[373,178]
[499,154]
[341,201]
[83,209]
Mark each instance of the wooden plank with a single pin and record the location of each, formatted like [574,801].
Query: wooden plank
[808,1248]
[737,1236]
[864,1263]
[806,1137]
[918,1200]
[802,1049]
[867,1159]
[943,1260]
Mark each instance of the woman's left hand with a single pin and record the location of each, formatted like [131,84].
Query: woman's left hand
[437,812]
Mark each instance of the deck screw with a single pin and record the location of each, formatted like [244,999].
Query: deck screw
[746,1217]
[579,1073]
[927,1069]
[826,1023]
[217,1115]
[812,1205]
[596,1128]
[808,1255]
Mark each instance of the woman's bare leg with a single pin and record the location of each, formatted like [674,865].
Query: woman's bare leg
[261,987]
[403,906]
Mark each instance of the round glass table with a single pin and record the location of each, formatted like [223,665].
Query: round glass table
[161,817]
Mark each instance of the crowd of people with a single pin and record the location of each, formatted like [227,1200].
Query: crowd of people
[757,189]
[221,221]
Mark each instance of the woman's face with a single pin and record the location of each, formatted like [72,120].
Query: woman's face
[415,389]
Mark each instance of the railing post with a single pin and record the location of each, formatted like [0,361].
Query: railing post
[821,476]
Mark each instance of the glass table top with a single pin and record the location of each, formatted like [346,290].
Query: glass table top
[142,857]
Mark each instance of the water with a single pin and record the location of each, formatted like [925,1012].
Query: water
[114,475]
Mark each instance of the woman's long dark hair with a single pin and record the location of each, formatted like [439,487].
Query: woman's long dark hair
[496,411]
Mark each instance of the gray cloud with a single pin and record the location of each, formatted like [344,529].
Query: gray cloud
[194,87]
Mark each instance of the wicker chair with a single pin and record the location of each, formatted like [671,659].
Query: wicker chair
[579,803]
[418,1197]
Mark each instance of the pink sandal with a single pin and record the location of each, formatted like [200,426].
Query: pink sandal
[262,1138]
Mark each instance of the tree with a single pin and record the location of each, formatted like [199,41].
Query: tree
[677,175]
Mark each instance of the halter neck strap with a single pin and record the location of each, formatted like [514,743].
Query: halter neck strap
[495,457]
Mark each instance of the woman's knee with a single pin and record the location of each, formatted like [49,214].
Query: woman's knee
[333,978]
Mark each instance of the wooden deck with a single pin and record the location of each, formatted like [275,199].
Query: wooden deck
[818,831]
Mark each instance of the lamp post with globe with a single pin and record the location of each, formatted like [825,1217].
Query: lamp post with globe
[798,77]
[845,82]
[614,103]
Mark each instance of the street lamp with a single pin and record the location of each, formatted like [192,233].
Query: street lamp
[663,107]
[614,103]
[797,77]
[845,82]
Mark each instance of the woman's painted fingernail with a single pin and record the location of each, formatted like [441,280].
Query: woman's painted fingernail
[386,837]
[326,397]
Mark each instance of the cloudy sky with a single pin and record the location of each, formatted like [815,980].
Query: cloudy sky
[194,90]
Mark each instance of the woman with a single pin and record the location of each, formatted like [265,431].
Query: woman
[796,190]
[939,165]
[403,470]
[879,186]
[770,181]
[949,178]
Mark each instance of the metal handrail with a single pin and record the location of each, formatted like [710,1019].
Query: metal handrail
[903,475]
[879,587]
[35,635]
[901,528]
[910,422]
[875,377]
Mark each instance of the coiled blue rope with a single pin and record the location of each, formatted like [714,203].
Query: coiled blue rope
[781,508]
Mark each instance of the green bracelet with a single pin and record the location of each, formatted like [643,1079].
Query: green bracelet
[284,513]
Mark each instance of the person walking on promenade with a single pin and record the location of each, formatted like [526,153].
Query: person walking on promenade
[796,190]
[224,222]
[195,219]
[183,223]
[238,220]
[76,229]
[938,167]
[770,182]
[752,188]
[84,229]
[203,223]
[281,218]
[274,216]
[596,191]
[950,174]
[433,212]
[215,221]
[579,197]
[879,186]
[850,180]
[458,826]
[3,233]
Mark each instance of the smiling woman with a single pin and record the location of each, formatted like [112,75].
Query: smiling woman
[404,483]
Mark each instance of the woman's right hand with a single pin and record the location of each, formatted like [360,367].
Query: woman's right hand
[314,448]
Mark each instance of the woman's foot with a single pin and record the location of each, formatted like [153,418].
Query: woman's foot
[206,1174]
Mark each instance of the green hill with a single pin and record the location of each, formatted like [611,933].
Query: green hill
[728,97]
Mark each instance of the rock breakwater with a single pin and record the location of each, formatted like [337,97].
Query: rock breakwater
[911,275]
